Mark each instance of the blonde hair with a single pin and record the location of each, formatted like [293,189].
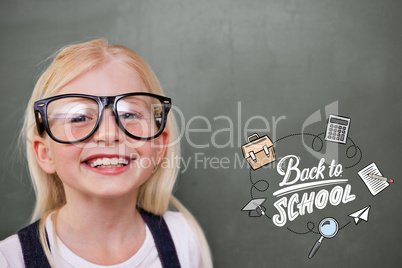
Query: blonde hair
[156,193]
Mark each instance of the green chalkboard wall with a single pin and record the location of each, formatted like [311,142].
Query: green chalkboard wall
[232,68]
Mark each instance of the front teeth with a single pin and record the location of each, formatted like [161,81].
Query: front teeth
[109,162]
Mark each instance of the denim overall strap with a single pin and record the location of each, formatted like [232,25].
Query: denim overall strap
[163,240]
[34,256]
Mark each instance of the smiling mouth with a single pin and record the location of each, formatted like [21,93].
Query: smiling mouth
[108,162]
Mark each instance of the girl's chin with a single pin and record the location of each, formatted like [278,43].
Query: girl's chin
[115,190]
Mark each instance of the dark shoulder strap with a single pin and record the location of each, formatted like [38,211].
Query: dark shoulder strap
[34,256]
[163,240]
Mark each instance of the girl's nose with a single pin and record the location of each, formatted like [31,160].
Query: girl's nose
[108,131]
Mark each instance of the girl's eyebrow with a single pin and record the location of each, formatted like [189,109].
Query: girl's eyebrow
[125,104]
[71,107]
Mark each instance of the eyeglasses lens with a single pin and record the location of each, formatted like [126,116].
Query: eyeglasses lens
[74,118]
[141,116]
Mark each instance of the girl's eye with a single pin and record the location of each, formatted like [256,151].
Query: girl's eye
[130,116]
[78,119]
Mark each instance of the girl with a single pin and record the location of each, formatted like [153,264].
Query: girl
[101,146]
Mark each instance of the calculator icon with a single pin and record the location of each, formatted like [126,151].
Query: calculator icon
[337,129]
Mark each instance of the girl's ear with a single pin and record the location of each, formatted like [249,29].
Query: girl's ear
[161,143]
[43,155]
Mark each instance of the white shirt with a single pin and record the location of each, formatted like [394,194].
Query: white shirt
[147,256]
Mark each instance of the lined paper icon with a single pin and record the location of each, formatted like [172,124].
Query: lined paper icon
[375,186]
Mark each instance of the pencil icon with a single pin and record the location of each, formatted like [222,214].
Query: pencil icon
[374,176]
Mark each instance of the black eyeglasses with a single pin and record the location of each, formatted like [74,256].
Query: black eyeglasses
[72,118]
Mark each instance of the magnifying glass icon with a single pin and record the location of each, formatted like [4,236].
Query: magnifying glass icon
[328,228]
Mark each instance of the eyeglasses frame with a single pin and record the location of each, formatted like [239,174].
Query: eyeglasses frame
[40,108]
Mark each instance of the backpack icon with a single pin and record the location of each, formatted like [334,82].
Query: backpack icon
[258,152]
